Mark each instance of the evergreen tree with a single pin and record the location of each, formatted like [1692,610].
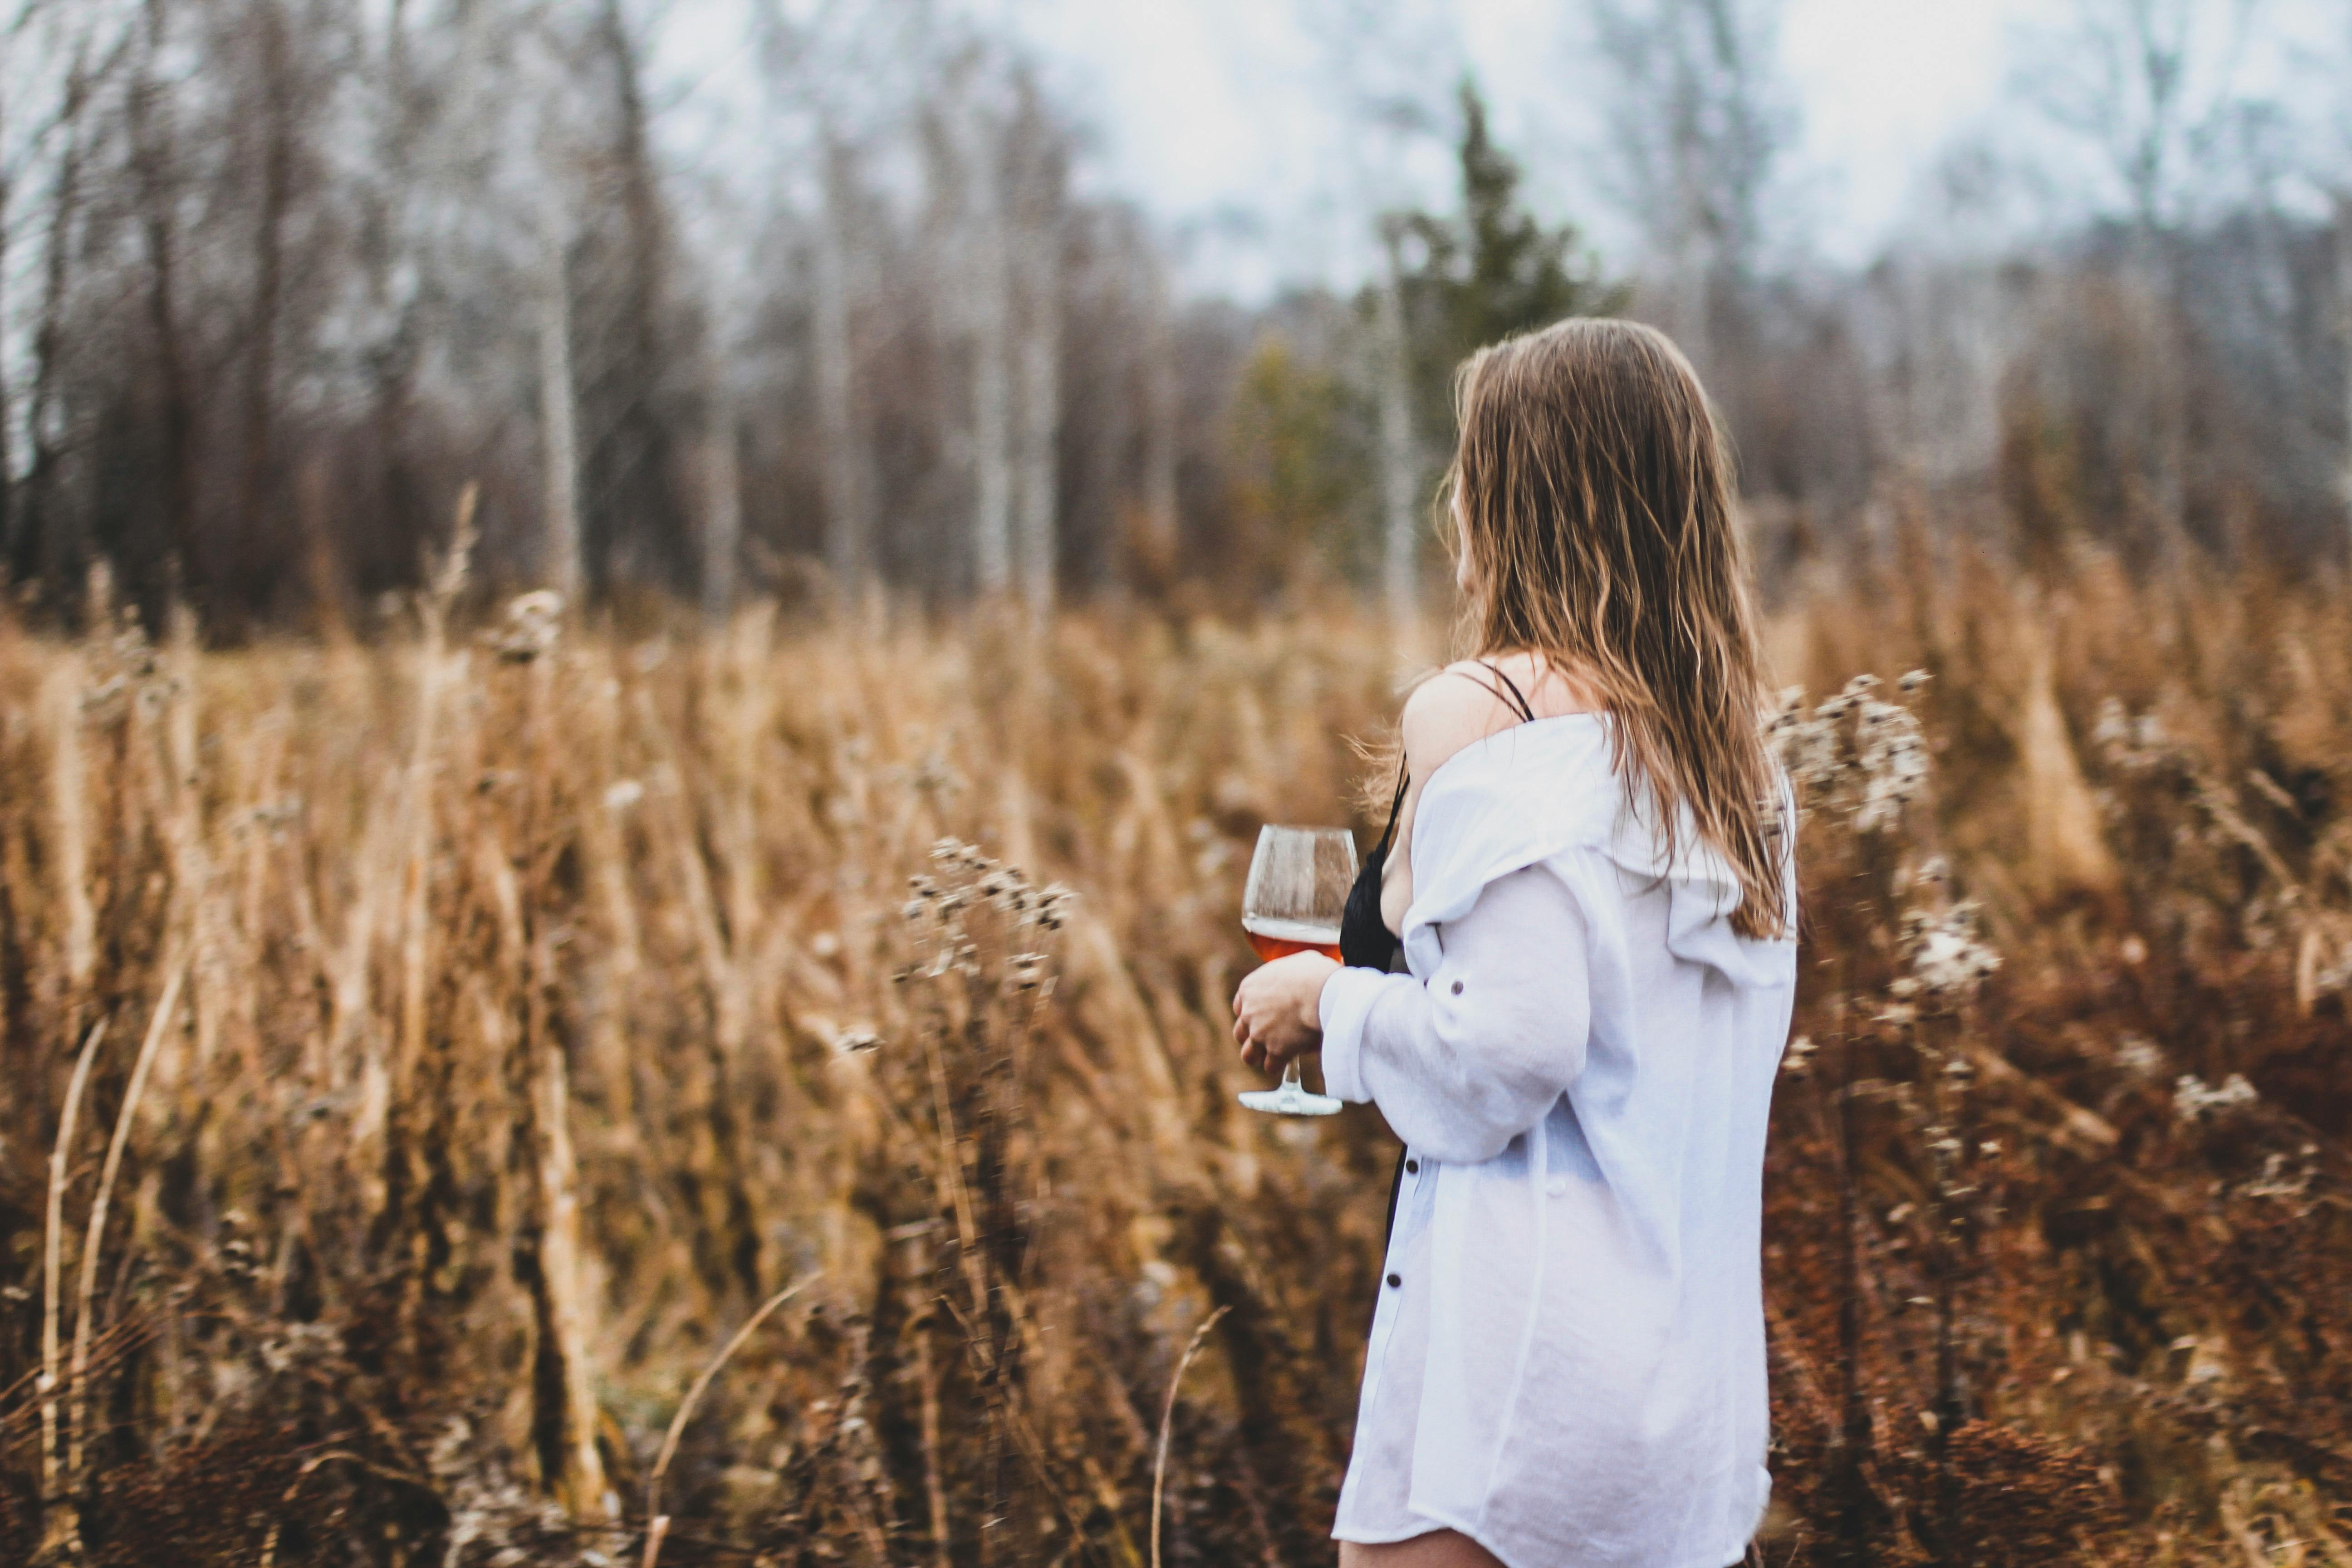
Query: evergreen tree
[1497,269]
[1480,275]
[1490,271]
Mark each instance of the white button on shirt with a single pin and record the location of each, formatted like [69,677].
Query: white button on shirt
[1567,1355]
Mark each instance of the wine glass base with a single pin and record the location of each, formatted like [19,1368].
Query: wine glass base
[1290,1100]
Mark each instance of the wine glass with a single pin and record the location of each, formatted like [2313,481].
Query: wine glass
[1297,890]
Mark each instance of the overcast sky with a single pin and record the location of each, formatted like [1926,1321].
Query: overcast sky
[1216,113]
[1216,110]
[1222,117]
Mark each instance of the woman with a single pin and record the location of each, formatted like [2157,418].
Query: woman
[1587,869]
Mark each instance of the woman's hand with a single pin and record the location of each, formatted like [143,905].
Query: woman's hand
[1277,1008]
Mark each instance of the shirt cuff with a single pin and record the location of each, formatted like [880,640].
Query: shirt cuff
[1346,1003]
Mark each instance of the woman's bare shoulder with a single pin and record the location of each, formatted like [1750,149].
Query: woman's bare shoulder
[1448,711]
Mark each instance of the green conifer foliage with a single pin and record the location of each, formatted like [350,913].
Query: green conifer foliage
[1490,270]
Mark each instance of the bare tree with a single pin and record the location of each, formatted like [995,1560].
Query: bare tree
[1384,63]
[985,284]
[2150,87]
[1162,523]
[31,550]
[722,494]
[2343,206]
[278,84]
[154,160]
[2333,174]
[1698,120]
[1037,211]
[1400,460]
[560,563]
[848,489]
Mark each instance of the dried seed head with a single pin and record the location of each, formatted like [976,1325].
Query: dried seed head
[1947,957]
[2194,1100]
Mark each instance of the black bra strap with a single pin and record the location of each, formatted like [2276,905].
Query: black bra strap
[1516,701]
[1396,805]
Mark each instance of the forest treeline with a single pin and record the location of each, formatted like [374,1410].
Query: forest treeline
[284,278]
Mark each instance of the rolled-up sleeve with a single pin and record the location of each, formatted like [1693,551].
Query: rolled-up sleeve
[1465,1060]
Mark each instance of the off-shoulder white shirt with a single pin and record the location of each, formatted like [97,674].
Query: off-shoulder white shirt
[1567,1356]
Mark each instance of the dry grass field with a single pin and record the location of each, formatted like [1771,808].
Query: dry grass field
[427,1064]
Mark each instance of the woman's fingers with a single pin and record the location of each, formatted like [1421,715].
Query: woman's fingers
[1254,1054]
[1256,1022]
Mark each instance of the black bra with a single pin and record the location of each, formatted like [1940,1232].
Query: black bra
[1365,939]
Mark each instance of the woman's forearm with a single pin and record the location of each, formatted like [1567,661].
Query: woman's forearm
[1464,1062]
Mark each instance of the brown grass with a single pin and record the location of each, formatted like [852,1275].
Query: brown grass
[545,1012]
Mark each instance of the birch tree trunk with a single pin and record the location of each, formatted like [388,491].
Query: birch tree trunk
[987,289]
[1113,426]
[1159,421]
[849,524]
[1038,459]
[559,440]
[1400,462]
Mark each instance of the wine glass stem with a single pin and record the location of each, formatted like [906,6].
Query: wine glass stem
[1291,1074]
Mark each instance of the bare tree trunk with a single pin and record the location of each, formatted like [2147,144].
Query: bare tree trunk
[1041,391]
[1040,413]
[1697,139]
[849,524]
[270,250]
[314,511]
[2344,331]
[30,550]
[7,401]
[2165,369]
[1400,460]
[1160,413]
[987,289]
[722,499]
[150,139]
[628,457]
[559,443]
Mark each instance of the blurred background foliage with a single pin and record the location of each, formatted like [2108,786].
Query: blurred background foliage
[861,310]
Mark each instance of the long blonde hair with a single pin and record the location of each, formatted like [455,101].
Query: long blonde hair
[1592,490]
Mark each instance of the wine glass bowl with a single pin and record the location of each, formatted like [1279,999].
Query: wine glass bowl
[1297,890]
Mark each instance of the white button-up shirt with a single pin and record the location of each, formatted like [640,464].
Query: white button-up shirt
[1567,1356]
